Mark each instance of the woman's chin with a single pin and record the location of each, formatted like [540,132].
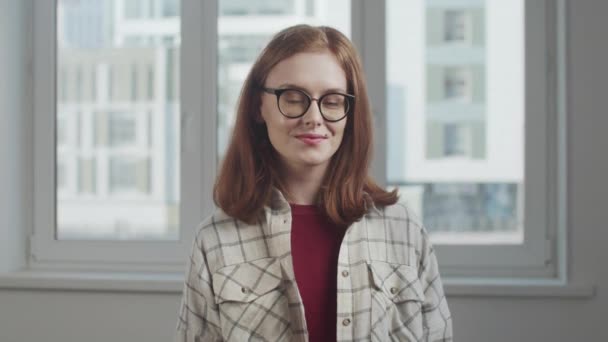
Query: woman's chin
[309,163]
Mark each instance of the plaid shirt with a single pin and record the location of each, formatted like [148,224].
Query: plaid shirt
[240,282]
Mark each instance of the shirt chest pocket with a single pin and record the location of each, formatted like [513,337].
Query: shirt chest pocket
[397,298]
[252,301]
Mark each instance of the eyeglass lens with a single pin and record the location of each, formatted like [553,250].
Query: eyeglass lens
[295,103]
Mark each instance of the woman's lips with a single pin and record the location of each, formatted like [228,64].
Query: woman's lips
[311,139]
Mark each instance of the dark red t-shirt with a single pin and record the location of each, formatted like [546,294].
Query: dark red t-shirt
[315,244]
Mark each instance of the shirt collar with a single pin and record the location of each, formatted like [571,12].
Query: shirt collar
[279,205]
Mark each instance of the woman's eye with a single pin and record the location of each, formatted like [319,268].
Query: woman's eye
[333,103]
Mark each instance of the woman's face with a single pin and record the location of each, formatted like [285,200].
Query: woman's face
[307,141]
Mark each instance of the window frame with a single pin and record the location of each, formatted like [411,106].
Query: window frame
[47,253]
[541,255]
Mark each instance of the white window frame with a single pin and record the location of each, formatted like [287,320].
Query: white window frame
[542,254]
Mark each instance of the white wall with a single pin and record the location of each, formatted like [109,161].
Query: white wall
[97,316]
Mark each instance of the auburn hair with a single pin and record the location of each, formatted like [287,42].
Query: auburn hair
[250,168]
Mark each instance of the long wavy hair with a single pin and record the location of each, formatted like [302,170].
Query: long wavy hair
[251,166]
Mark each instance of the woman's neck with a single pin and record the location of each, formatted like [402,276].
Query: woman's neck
[303,183]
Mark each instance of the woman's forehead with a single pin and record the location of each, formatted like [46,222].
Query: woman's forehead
[309,71]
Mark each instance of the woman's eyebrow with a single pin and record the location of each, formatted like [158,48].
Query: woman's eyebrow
[325,91]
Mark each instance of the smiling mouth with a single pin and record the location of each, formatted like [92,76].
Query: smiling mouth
[311,139]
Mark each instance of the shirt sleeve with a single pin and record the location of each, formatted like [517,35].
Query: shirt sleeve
[437,319]
[199,316]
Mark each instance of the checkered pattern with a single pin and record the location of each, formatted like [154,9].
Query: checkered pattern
[240,284]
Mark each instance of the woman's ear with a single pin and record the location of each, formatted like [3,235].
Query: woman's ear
[258,117]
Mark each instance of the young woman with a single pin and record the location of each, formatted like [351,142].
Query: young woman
[305,246]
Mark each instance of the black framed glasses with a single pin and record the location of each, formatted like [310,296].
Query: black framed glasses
[294,103]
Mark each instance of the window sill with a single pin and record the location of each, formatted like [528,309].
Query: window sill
[533,288]
[172,283]
[93,281]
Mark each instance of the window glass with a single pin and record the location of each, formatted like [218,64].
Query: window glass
[455,116]
[118,119]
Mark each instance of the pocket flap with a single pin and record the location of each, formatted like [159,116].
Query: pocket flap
[399,282]
[247,281]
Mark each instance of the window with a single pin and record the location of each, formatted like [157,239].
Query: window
[134,83]
[457,25]
[87,176]
[110,82]
[122,128]
[170,8]
[93,85]
[119,172]
[78,85]
[457,84]
[150,83]
[456,140]
[122,174]
[134,163]
[135,8]
[263,7]
[461,135]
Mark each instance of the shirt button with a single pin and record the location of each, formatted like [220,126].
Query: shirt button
[393,290]
[346,322]
[345,273]
[245,290]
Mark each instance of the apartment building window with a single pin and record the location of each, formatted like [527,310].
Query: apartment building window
[87,175]
[138,9]
[261,7]
[134,83]
[150,83]
[310,7]
[149,128]
[93,84]
[78,118]
[123,174]
[456,140]
[122,129]
[456,26]
[78,85]
[171,8]
[129,173]
[110,82]
[458,84]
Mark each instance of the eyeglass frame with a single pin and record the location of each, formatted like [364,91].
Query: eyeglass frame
[278,91]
